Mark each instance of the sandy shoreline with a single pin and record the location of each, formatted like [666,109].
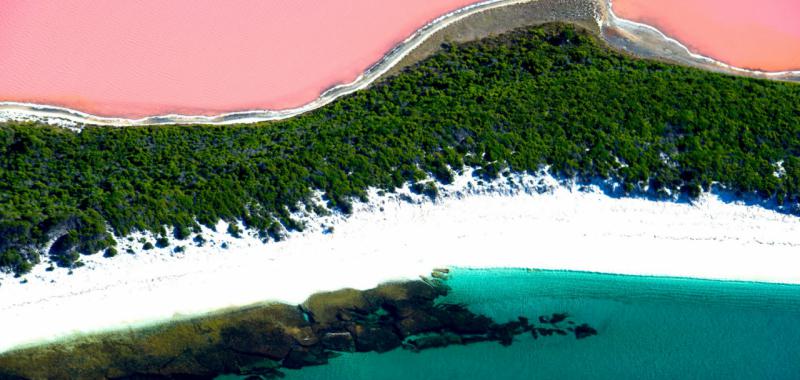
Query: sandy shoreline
[472,226]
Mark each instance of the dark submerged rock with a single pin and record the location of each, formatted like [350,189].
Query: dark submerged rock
[432,340]
[303,357]
[338,341]
[375,338]
[558,317]
[258,341]
[584,331]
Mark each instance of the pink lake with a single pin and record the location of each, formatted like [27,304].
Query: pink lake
[752,34]
[202,57]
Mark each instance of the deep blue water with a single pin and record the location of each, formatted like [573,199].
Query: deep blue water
[648,328]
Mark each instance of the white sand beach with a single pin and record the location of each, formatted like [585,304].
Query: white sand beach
[524,221]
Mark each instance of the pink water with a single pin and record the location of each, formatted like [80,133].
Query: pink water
[754,34]
[150,57]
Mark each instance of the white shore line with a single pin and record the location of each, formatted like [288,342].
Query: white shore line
[612,20]
[11,110]
[522,221]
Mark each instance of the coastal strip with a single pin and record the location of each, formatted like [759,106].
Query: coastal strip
[518,221]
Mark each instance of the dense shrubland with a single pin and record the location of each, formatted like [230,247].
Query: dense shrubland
[544,96]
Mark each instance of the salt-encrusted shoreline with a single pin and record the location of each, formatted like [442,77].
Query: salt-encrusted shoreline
[650,42]
[637,38]
[522,221]
[27,111]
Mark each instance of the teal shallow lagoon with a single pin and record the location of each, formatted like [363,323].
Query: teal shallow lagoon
[648,328]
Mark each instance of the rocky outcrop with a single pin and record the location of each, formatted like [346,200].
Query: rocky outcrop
[258,341]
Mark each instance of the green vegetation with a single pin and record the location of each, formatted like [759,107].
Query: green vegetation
[234,230]
[110,252]
[544,96]
[162,242]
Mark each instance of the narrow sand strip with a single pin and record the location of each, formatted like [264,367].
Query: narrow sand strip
[531,222]
[647,38]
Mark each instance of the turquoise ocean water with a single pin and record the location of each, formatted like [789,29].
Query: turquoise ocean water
[648,328]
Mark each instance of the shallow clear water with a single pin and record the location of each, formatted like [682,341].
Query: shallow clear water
[648,328]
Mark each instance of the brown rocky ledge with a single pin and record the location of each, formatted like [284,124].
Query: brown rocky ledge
[259,340]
